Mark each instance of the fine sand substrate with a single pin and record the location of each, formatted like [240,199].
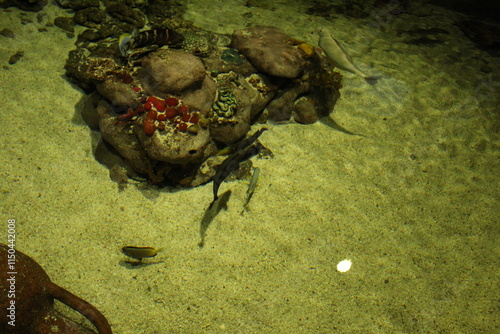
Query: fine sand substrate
[412,200]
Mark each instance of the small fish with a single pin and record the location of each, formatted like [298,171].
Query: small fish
[251,187]
[339,56]
[243,150]
[140,253]
[241,144]
[125,42]
[158,37]
[231,164]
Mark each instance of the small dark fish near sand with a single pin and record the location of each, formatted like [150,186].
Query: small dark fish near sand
[242,151]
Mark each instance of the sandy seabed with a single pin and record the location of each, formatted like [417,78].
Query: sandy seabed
[413,203]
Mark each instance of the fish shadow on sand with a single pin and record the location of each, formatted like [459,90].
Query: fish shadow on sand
[330,122]
[131,264]
[210,213]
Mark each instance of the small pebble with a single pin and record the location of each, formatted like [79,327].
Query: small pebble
[7,33]
[15,57]
[25,20]
[40,17]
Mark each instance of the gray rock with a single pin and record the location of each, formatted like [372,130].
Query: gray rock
[117,92]
[170,72]
[261,91]
[280,108]
[207,170]
[202,97]
[270,50]
[123,140]
[78,4]
[172,146]
[230,130]
[306,110]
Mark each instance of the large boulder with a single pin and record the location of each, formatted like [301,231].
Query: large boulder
[271,51]
[168,71]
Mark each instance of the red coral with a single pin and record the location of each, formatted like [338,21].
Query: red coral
[149,126]
[172,101]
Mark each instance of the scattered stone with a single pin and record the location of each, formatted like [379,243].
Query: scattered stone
[30,5]
[306,110]
[40,17]
[25,20]
[7,33]
[90,17]
[65,23]
[78,4]
[124,13]
[15,57]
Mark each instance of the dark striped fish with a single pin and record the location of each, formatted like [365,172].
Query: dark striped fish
[244,150]
[156,37]
[144,38]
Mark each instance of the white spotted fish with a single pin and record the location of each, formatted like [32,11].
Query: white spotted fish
[339,56]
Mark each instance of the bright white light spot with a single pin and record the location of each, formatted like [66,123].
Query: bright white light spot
[344,266]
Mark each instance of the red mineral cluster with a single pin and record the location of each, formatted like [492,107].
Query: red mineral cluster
[163,114]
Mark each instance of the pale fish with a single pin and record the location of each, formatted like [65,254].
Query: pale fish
[339,56]
[125,42]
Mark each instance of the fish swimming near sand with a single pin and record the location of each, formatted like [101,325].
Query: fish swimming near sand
[339,56]
[244,150]
[251,188]
[140,253]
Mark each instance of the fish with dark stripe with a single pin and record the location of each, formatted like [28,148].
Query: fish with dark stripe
[144,38]
[243,150]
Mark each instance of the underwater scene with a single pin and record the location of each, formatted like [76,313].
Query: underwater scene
[249,166]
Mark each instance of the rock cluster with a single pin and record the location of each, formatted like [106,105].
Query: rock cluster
[221,90]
